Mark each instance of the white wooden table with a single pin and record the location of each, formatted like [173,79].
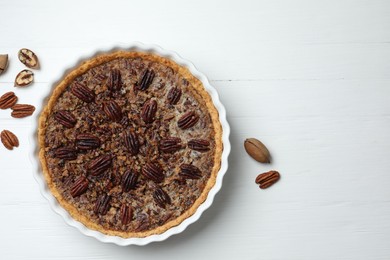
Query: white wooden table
[311,79]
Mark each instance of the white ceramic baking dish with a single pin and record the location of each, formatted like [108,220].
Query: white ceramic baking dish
[37,171]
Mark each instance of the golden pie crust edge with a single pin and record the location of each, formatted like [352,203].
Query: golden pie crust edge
[199,93]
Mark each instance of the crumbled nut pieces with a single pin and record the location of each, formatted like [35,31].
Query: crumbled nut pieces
[24,78]
[3,62]
[9,139]
[28,58]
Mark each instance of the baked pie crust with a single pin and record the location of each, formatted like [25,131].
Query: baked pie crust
[130,143]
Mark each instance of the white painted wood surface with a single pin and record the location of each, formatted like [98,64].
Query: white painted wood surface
[309,78]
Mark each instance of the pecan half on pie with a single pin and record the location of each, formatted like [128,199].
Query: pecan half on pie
[130,143]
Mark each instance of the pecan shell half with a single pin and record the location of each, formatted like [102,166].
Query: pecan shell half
[112,110]
[132,142]
[161,197]
[170,144]
[87,141]
[267,179]
[65,118]
[79,186]
[153,172]
[146,80]
[149,110]
[28,58]
[99,165]
[188,120]
[189,171]
[82,92]
[102,204]
[24,78]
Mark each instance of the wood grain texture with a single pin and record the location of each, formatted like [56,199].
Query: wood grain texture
[311,79]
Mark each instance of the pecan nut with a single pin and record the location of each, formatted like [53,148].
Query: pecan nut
[99,165]
[28,58]
[188,120]
[146,80]
[82,92]
[24,78]
[153,172]
[267,179]
[102,204]
[87,141]
[8,100]
[115,80]
[161,197]
[66,153]
[188,171]
[174,95]
[9,139]
[3,62]
[79,186]
[126,214]
[129,180]
[65,118]
[170,144]
[22,110]
[199,145]
[149,110]
[112,110]
[132,142]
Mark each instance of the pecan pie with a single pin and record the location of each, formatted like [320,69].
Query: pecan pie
[130,143]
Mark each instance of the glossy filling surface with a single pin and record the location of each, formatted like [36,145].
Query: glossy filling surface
[130,144]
